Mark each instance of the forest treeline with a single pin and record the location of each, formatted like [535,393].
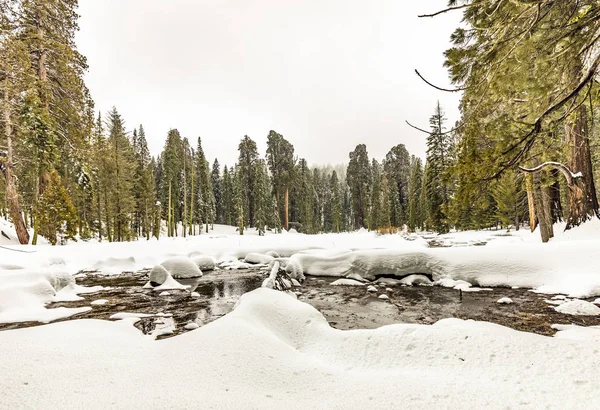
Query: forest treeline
[523,152]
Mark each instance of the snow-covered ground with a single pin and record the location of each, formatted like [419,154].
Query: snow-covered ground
[274,351]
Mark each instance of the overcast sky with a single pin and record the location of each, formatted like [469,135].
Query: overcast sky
[327,74]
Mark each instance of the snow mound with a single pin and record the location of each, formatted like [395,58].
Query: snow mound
[273,254]
[414,280]
[504,301]
[99,302]
[112,266]
[371,288]
[192,326]
[204,262]
[257,258]
[182,268]
[294,269]
[579,308]
[388,281]
[347,282]
[357,277]
[159,275]
[24,295]
[384,297]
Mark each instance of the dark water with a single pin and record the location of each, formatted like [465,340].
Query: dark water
[345,307]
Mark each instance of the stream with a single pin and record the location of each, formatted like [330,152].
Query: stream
[344,307]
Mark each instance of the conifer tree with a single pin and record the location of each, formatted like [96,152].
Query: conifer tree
[57,220]
[217,192]
[415,217]
[359,181]
[121,176]
[280,159]
[246,170]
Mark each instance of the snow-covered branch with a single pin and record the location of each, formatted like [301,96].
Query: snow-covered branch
[569,175]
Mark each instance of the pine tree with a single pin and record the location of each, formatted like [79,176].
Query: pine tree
[375,218]
[397,169]
[122,176]
[246,168]
[359,182]
[57,220]
[439,151]
[217,192]
[280,159]
[172,173]
[336,203]
[415,217]
[228,187]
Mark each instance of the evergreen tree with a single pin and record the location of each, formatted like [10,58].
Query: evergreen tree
[359,182]
[439,150]
[217,192]
[280,159]
[397,169]
[246,168]
[121,175]
[415,217]
[57,220]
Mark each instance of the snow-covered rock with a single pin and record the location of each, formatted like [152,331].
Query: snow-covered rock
[165,293]
[347,282]
[204,262]
[294,269]
[414,280]
[578,307]
[388,281]
[356,276]
[158,275]
[195,295]
[371,288]
[383,297]
[98,302]
[181,268]
[257,258]
[192,326]
[505,301]
[273,254]
[114,265]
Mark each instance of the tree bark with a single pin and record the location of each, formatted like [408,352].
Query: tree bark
[583,203]
[12,196]
[531,202]
[287,215]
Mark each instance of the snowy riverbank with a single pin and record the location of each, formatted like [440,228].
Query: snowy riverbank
[274,352]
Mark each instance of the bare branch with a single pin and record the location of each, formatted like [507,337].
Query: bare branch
[439,88]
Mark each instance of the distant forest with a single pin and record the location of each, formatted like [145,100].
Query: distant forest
[525,151]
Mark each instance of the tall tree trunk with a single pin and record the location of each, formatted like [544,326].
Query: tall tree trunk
[583,202]
[287,215]
[542,206]
[531,203]
[192,205]
[169,219]
[555,204]
[12,196]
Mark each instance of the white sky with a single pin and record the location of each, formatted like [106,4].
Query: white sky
[327,74]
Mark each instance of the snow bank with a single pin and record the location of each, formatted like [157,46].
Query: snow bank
[257,356]
[24,295]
